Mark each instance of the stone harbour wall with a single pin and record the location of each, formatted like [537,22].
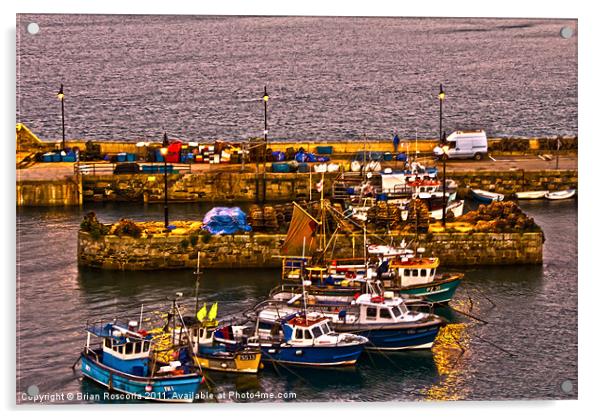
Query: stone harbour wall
[262,250]
[245,187]
[203,187]
[511,181]
[49,193]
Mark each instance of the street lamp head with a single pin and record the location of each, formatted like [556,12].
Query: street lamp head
[265,94]
[445,149]
[165,140]
[61,94]
[441,92]
[164,151]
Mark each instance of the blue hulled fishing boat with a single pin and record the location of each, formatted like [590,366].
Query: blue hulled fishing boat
[385,320]
[123,361]
[299,339]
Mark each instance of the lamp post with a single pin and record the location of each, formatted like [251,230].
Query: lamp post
[61,96]
[265,132]
[445,148]
[164,154]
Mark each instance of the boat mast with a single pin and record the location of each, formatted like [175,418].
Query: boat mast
[303,283]
[141,311]
[198,274]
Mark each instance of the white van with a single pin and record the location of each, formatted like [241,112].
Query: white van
[467,145]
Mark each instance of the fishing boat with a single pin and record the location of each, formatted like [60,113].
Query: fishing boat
[216,356]
[558,195]
[384,320]
[486,197]
[399,269]
[530,194]
[206,351]
[298,339]
[123,361]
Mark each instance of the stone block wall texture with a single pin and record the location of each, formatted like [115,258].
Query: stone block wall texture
[48,193]
[244,187]
[511,181]
[203,187]
[262,250]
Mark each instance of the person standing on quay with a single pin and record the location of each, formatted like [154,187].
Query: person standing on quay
[395,143]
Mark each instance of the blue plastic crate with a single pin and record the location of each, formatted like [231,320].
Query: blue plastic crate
[324,149]
[131,157]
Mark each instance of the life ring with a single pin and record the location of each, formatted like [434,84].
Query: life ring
[377,299]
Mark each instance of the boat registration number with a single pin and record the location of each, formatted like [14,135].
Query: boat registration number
[248,357]
[433,289]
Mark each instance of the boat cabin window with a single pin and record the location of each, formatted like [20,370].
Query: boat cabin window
[145,346]
[423,272]
[396,311]
[306,334]
[129,347]
[414,272]
[385,313]
[406,272]
[325,328]
[371,312]
[317,332]
[108,343]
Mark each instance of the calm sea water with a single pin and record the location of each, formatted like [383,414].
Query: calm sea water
[201,78]
[525,351]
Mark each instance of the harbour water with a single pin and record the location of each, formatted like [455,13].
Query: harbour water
[201,78]
[526,350]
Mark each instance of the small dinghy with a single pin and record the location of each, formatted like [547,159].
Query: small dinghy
[485,196]
[531,194]
[569,193]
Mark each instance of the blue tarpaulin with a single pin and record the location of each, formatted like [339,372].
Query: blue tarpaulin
[225,220]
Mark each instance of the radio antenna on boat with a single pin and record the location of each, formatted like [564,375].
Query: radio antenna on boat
[198,278]
[303,281]
[141,311]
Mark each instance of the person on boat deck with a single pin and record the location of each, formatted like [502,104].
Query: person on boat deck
[395,142]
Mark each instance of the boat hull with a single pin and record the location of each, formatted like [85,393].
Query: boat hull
[313,356]
[245,362]
[182,389]
[556,196]
[439,292]
[486,198]
[531,195]
[387,338]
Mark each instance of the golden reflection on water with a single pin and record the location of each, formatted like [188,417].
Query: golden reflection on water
[451,347]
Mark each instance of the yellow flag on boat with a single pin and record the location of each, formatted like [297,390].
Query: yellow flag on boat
[202,313]
[213,312]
